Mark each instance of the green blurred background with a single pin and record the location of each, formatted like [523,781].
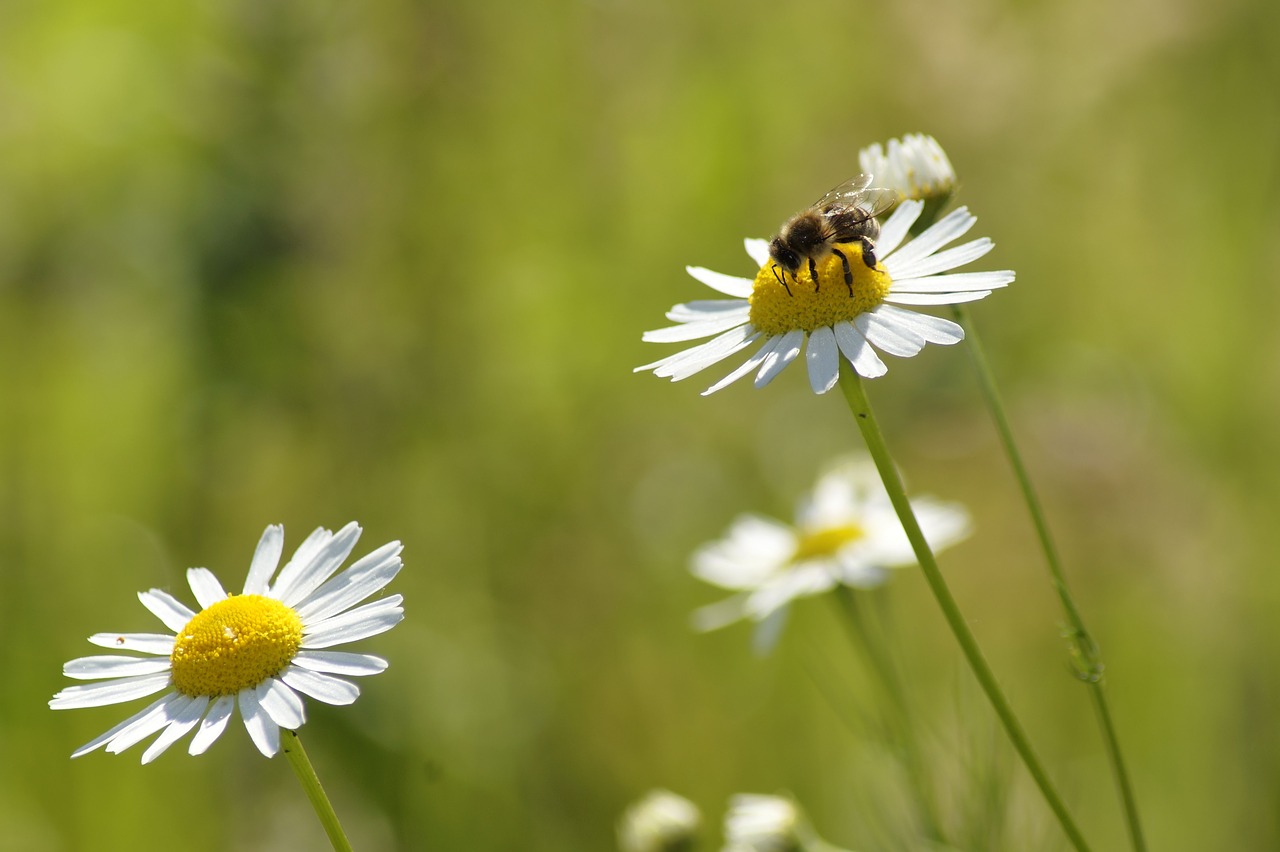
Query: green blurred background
[308,262]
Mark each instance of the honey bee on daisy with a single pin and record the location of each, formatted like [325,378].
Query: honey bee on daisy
[846,214]
[857,280]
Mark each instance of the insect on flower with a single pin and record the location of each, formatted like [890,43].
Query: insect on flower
[846,214]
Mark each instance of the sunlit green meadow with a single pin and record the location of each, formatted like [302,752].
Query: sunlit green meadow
[305,263]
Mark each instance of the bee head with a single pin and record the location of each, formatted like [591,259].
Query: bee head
[783,255]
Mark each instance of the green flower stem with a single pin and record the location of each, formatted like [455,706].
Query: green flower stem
[899,722]
[292,747]
[851,385]
[1085,654]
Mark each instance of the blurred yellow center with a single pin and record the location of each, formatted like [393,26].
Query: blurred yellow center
[825,542]
[235,644]
[774,311]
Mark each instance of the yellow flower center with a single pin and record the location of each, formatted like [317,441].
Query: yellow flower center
[235,644]
[774,311]
[825,542]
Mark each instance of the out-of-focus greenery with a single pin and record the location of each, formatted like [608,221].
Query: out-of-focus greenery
[305,262]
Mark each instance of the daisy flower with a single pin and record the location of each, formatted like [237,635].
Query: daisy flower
[833,318]
[758,823]
[916,166]
[660,822]
[260,650]
[846,532]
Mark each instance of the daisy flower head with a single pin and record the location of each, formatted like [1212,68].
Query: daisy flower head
[851,307]
[916,166]
[759,823]
[846,533]
[260,650]
[659,822]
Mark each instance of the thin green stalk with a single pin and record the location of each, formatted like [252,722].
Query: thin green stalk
[898,722]
[851,385]
[292,748]
[1085,655]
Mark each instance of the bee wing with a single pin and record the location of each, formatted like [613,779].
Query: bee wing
[877,201]
[858,192]
[848,189]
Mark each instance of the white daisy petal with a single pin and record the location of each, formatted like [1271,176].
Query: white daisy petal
[205,587]
[695,330]
[897,226]
[747,554]
[146,643]
[956,282]
[944,260]
[783,354]
[943,525]
[800,580]
[164,606]
[933,329]
[265,559]
[366,576]
[281,703]
[184,718]
[950,227]
[719,614]
[353,625]
[102,739]
[823,357]
[163,715]
[758,250]
[747,366]
[264,732]
[854,346]
[706,309]
[684,364]
[695,360]
[109,692]
[215,722]
[94,668]
[307,552]
[730,285]
[295,588]
[330,690]
[883,333]
[340,662]
[935,298]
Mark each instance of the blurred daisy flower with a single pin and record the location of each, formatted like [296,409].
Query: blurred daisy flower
[260,650]
[834,317]
[846,532]
[758,823]
[916,166]
[659,822]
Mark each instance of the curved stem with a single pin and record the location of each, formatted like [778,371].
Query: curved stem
[851,385]
[292,748]
[1085,654]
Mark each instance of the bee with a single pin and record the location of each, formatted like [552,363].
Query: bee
[846,214]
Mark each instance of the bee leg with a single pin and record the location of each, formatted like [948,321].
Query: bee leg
[848,273]
[868,252]
[813,273]
[782,279]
